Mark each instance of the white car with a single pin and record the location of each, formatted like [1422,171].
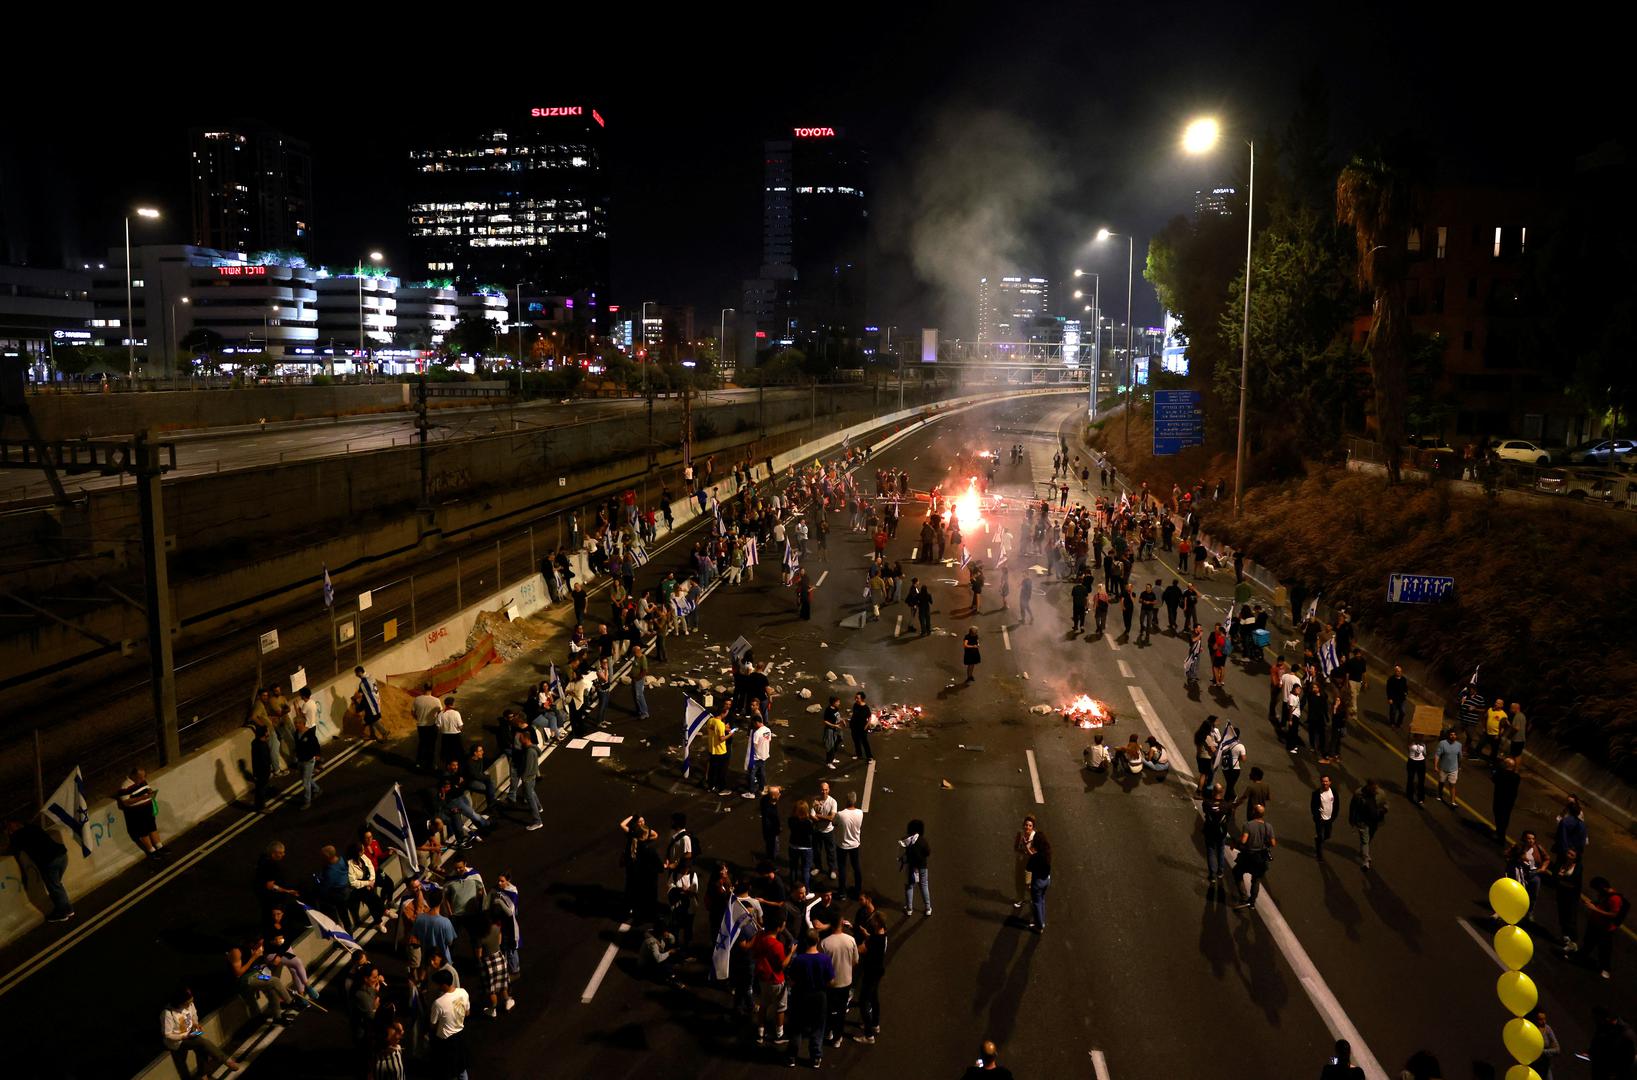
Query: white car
[1608,452]
[1526,453]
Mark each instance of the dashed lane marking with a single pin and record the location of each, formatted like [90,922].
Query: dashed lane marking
[1034,778]
[1006,636]
[1099,1065]
[869,785]
[602,967]
[1151,719]
[820,581]
[1125,669]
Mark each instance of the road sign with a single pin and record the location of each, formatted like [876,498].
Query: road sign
[1419,589]
[1179,421]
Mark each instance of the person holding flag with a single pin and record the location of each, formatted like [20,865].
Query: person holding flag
[694,719]
[50,858]
[390,821]
[369,703]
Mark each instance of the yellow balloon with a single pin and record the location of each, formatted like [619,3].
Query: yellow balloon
[1517,992]
[1523,1040]
[1509,899]
[1522,1072]
[1514,947]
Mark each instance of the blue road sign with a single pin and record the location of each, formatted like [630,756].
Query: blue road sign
[1419,589]
[1179,421]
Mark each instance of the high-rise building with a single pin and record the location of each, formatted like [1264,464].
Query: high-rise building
[1213,202]
[1009,308]
[523,199]
[252,189]
[811,288]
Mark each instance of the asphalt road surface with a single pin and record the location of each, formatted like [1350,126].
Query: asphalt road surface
[1142,973]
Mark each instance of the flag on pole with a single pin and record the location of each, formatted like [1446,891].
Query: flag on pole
[1224,746]
[391,821]
[693,722]
[1327,658]
[329,590]
[751,556]
[553,683]
[791,560]
[330,929]
[736,922]
[1312,610]
[67,807]
[1474,680]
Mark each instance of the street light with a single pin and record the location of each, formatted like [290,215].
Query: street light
[176,355]
[130,305]
[1200,137]
[1130,360]
[374,257]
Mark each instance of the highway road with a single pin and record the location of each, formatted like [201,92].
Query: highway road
[1143,972]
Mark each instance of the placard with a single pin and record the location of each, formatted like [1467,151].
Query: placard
[366,600]
[389,630]
[269,642]
[298,680]
[1428,720]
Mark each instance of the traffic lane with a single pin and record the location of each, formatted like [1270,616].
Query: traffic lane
[1366,933]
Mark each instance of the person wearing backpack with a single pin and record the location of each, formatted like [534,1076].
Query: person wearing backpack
[1604,917]
[1365,812]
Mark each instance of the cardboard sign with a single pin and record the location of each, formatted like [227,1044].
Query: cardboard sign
[298,679]
[739,649]
[366,600]
[1428,720]
[269,642]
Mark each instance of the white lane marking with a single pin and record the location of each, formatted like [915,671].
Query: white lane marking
[1099,1065]
[820,581]
[869,785]
[914,554]
[897,626]
[1007,638]
[1482,943]
[1157,729]
[1115,645]
[1318,991]
[602,967]
[102,918]
[1034,778]
[1125,670]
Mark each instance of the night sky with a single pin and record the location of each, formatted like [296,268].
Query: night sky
[998,134]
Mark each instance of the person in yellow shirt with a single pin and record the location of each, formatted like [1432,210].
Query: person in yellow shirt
[1494,719]
[716,740]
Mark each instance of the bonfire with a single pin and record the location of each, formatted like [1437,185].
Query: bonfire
[1087,712]
[894,717]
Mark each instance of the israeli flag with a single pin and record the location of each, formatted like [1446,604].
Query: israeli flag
[639,555]
[1327,658]
[67,806]
[751,557]
[1312,610]
[390,821]
[330,929]
[736,922]
[329,590]
[372,699]
[791,559]
[1224,747]
[693,722]
[553,683]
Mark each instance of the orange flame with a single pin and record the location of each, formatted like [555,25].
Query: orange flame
[968,509]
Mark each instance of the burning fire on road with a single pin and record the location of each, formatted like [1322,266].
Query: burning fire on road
[1087,712]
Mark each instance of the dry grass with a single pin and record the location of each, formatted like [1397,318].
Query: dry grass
[1541,599]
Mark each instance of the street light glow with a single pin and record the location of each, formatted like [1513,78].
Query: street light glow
[1103,234]
[1201,135]
[376,256]
[1079,272]
[147,212]
[1078,295]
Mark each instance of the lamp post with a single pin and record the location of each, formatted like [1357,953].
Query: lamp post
[1096,310]
[1130,361]
[176,354]
[1198,138]
[722,346]
[374,257]
[130,304]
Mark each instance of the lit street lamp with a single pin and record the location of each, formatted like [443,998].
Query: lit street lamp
[176,354]
[130,307]
[1130,360]
[1097,343]
[1199,138]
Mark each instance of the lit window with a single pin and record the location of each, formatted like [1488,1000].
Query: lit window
[1497,241]
[1443,240]
[1523,240]
[138,283]
[1415,240]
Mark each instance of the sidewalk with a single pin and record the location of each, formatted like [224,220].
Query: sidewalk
[1612,850]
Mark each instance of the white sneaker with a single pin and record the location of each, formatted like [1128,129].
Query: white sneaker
[536,825]
[510,1004]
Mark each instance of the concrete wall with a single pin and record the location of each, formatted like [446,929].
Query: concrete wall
[68,416]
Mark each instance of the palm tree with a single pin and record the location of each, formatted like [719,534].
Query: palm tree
[1376,196]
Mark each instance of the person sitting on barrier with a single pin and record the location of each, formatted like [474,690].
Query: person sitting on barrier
[179,1027]
[1155,759]
[1097,756]
[254,974]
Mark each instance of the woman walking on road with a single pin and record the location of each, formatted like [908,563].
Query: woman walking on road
[1190,666]
[913,858]
[641,865]
[969,653]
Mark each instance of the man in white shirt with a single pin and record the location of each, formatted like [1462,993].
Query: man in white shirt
[1290,688]
[450,725]
[448,1025]
[761,748]
[824,829]
[1232,762]
[849,835]
[1323,805]
[426,708]
[842,949]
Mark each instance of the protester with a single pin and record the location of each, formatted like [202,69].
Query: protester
[912,858]
[140,805]
[50,859]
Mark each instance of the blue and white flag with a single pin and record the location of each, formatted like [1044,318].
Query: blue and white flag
[1474,680]
[639,555]
[1224,747]
[1328,660]
[1312,610]
[329,590]
[330,929]
[553,683]
[736,922]
[390,820]
[372,697]
[693,722]
[751,556]
[791,559]
[67,807]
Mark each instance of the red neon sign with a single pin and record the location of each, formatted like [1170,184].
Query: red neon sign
[597,116]
[558,110]
[815,133]
[241,271]
[761,333]
[613,308]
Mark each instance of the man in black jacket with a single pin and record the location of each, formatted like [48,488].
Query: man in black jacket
[1173,600]
[859,723]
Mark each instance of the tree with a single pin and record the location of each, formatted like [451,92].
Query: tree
[471,335]
[1191,266]
[1376,196]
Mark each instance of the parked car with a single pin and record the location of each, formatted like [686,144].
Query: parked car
[1602,452]
[1603,485]
[1521,451]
